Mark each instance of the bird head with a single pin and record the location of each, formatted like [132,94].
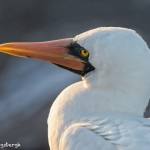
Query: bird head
[105,51]
[119,56]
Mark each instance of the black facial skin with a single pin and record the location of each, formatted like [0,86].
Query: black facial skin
[75,50]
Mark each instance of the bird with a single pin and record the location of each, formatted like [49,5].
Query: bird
[103,111]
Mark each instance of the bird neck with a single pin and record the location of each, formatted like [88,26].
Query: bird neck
[129,91]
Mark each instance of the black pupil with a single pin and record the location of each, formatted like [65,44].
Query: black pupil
[85,52]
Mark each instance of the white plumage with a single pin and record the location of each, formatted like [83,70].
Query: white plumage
[105,110]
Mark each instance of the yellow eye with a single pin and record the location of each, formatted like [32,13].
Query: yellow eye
[84,53]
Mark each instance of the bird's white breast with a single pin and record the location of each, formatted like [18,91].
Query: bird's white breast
[79,103]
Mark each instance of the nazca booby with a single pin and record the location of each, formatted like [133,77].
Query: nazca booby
[105,110]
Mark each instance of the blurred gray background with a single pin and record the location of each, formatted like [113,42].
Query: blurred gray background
[28,87]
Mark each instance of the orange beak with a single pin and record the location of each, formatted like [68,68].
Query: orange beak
[56,52]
